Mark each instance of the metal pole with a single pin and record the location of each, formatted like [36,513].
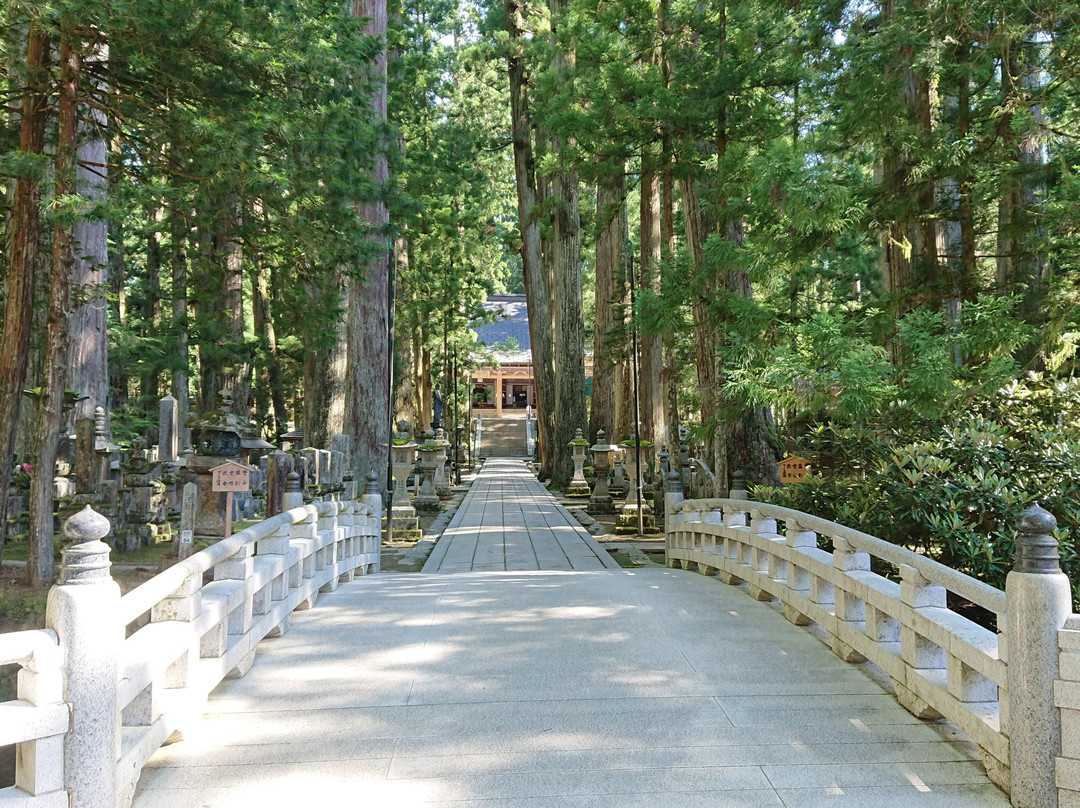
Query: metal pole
[637,404]
[390,388]
[457,422]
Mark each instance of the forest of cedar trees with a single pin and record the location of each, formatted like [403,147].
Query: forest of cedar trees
[852,229]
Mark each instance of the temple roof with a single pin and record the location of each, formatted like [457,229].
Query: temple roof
[512,324]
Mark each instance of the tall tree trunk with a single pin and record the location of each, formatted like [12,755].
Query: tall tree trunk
[152,310]
[366,392]
[570,412]
[40,566]
[669,372]
[267,336]
[239,372]
[536,291]
[706,335]
[118,387]
[324,363]
[650,389]
[181,386]
[23,231]
[609,204]
[89,322]
[745,432]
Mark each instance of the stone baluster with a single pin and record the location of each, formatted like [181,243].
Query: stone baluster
[710,543]
[917,651]
[798,577]
[327,526]
[39,765]
[849,608]
[84,611]
[1039,601]
[764,529]
[277,544]
[306,531]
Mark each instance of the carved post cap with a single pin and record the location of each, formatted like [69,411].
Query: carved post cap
[292,483]
[1036,549]
[600,435]
[86,560]
[372,484]
[738,481]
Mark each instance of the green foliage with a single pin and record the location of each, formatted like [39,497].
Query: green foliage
[952,486]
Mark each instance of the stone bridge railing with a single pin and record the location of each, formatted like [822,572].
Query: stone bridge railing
[1002,688]
[113,678]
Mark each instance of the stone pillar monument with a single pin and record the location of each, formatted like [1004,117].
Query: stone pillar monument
[1039,600]
[84,611]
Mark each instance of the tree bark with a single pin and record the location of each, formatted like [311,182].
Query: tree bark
[650,389]
[152,309]
[40,565]
[23,231]
[536,290]
[609,203]
[181,386]
[669,372]
[366,393]
[89,322]
[570,412]
[324,363]
[267,336]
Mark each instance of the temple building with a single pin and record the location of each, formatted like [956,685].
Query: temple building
[506,384]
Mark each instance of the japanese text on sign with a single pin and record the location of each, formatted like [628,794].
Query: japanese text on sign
[231,477]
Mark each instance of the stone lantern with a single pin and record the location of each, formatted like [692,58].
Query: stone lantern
[578,486]
[628,518]
[215,436]
[441,481]
[403,451]
[427,499]
[600,501]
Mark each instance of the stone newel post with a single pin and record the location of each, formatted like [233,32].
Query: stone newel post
[83,609]
[1039,599]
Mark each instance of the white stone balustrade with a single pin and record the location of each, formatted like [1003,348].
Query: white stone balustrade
[37,721]
[940,662]
[164,670]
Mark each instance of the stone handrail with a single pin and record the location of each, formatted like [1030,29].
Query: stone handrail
[941,663]
[37,721]
[965,586]
[166,644]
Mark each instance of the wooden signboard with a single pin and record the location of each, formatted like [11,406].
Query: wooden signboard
[794,470]
[228,478]
[231,476]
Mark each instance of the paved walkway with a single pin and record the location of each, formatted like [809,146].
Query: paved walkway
[509,521]
[607,688]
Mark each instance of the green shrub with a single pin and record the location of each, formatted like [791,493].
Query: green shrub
[951,488]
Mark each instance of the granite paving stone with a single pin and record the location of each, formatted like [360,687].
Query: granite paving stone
[524,671]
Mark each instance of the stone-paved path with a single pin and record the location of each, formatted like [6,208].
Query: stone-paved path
[650,688]
[509,521]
